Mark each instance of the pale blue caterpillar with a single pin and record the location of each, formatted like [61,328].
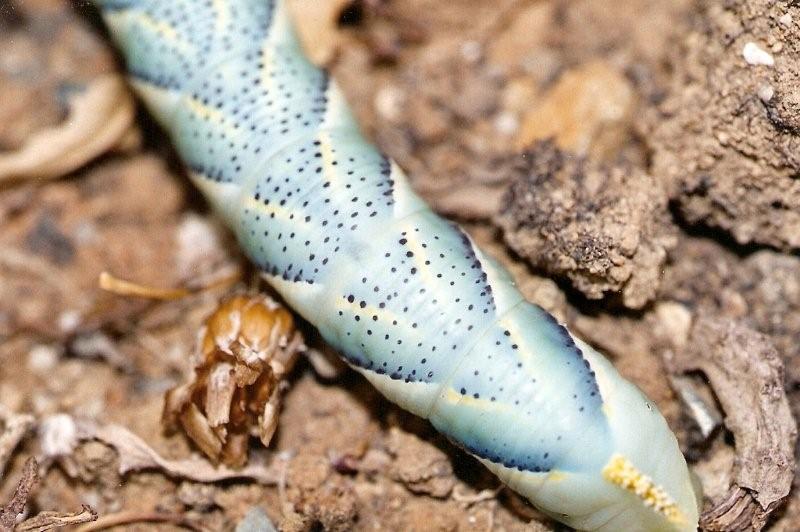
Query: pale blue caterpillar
[405,296]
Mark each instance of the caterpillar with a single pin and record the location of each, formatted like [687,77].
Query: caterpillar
[405,296]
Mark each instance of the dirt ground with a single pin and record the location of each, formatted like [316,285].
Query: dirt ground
[637,168]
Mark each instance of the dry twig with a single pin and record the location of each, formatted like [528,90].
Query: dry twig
[131,517]
[56,520]
[44,520]
[474,498]
[122,287]
[15,507]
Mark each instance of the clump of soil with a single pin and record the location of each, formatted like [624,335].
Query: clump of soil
[606,229]
[727,139]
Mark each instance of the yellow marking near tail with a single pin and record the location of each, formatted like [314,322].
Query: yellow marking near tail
[621,472]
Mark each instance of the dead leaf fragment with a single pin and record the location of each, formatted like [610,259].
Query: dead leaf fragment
[14,427]
[100,118]
[136,455]
[746,374]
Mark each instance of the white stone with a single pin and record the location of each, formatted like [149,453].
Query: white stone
[389,102]
[766,92]
[755,55]
[506,123]
[256,520]
[197,242]
[471,51]
[58,435]
[69,320]
[42,358]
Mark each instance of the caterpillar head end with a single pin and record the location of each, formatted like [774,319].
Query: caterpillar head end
[622,473]
[646,483]
[630,476]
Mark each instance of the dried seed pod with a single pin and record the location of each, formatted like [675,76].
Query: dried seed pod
[246,348]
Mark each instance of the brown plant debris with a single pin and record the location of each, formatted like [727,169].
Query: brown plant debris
[14,508]
[604,228]
[56,520]
[247,346]
[136,455]
[318,30]
[137,517]
[10,513]
[223,278]
[746,374]
[13,428]
[100,118]
[122,287]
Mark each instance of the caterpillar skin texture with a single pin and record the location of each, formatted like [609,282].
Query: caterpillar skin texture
[406,297]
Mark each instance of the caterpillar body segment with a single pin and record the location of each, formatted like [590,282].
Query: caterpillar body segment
[406,297]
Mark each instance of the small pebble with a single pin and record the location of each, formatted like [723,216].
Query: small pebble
[786,19]
[754,55]
[471,51]
[766,92]
[506,123]
[389,103]
[69,320]
[197,243]
[42,358]
[256,520]
[58,435]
